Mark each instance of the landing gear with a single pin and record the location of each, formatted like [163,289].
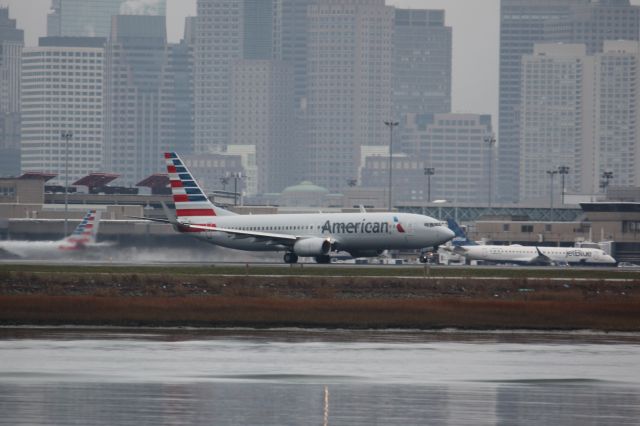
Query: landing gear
[290,257]
[323,259]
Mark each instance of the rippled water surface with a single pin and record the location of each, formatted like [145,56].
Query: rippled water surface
[299,377]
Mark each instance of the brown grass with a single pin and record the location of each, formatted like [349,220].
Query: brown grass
[370,313]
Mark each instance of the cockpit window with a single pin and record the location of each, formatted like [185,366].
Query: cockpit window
[433,224]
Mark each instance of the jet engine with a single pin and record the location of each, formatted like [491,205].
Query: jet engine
[312,247]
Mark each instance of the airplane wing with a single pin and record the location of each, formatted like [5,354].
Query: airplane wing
[286,239]
[151,219]
[540,259]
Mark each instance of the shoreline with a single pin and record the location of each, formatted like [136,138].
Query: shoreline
[159,299]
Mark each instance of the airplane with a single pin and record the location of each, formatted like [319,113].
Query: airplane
[298,235]
[525,255]
[82,238]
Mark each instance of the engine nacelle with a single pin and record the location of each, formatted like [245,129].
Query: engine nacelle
[312,247]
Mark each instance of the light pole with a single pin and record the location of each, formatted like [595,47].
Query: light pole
[606,177]
[66,135]
[551,174]
[563,170]
[236,176]
[428,172]
[491,141]
[391,125]
[224,181]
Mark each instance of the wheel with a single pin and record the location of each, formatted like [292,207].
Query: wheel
[290,258]
[423,258]
[323,259]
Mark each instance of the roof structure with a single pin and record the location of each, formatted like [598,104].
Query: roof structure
[159,180]
[96,180]
[38,175]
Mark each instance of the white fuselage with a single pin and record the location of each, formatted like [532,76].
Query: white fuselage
[354,232]
[524,254]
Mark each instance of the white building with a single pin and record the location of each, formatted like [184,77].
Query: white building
[62,91]
[617,115]
[556,116]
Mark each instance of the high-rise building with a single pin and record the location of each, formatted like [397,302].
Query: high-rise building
[454,146]
[62,91]
[617,115]
[592,23]
[290,42]
[11,44]
[219,41]
[525,22]
[263,115]
[92,18]
[522,23]
[421,63]
[349,85]
[148,106]
[555,119]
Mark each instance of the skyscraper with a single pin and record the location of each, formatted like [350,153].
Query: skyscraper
[349,85]
[525,22]
[592,23]
[263,115]
[617,115]
[11,43]
[556,126]
[219,41]
[421,63]
[290,42]
[62,88]
[92,18]
[148,105]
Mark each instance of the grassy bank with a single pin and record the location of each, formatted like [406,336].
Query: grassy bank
[196,297]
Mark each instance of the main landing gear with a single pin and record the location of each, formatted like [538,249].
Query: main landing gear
[290,257]
[323,259]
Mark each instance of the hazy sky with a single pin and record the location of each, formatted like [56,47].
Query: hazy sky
[475,41]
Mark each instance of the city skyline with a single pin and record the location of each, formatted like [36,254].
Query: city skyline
[475,41]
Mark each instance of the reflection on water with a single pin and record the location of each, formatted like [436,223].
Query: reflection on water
[311,377]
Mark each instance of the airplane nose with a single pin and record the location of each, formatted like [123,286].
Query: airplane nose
[445,234]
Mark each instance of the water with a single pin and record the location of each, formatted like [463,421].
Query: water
[299,377]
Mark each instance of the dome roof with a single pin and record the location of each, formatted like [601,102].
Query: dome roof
[305,186]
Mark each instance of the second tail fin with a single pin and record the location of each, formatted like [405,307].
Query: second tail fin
[461,238]
[85,233]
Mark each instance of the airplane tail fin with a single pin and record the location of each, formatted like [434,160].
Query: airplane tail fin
[461,238]
[85,233]
[190,200]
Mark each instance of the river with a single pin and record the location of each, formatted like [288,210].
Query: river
[63,376]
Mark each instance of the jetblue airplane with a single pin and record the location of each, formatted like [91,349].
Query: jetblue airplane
[298,235]
[81,239]
[525,255]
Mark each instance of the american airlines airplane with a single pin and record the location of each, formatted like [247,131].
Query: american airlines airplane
[298,235]
[81,239]
[526,255]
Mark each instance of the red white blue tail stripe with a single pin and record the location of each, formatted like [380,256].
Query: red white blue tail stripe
[85,233]
[191,202]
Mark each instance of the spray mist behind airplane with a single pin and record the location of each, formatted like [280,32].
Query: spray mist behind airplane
[81,240]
